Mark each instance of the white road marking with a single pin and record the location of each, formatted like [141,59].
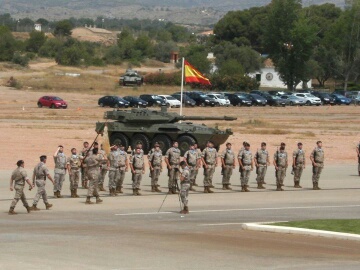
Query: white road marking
[245,209]
[241,223]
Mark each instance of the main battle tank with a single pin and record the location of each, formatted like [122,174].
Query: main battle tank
[149,126]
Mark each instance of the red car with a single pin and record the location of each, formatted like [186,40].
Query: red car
[52,102]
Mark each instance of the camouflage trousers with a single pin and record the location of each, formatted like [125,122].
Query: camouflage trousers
[184,192]
[102,175]
[316,172]
[208,175]
[137,176]
[280,174]
[83,174]
[245,175]
[261,172]
[121,178]
[114,176]
[59,180]
[154,174]
[193,173]
[19,195]
[93,184]
[174,175]
[298,170]
[227,172]
[41,192]
[74,179]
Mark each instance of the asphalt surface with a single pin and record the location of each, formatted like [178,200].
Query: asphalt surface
[126,232]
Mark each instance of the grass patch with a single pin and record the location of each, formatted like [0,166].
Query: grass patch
[334,225]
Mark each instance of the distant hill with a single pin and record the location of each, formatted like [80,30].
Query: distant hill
[203,12]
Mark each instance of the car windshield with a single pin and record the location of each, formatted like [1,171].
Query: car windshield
[339,96]
[241,96]
[56,98]
[275,97]
[203,96]
[156,97]
[170,98]
[257,96]
[324,95]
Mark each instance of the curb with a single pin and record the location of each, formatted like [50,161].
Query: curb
[301,231]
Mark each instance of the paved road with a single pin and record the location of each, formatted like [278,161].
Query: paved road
[126,232]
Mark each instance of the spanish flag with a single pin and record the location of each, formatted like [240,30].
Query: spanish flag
[192,75]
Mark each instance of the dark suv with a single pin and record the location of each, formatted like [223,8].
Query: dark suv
[201,99]
[153,100]
[238,99]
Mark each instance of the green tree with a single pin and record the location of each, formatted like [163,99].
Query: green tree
[36,40]
[162,50]
[197,56]
[63,28]
[50,48]
[7,44]
[144,44]
[290,39]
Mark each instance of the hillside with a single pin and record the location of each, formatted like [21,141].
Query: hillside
[203,12]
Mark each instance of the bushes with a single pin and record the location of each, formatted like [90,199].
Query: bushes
[233,83]
[163,78]
[22,60]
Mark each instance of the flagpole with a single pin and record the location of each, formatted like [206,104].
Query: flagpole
[182,85]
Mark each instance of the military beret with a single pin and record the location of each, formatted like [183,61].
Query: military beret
[19,163]
[299,143]
[43,156]
[228,143]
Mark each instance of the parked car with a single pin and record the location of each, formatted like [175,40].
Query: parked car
[201,99]
[171,101]
[131,77]
[187,101]
[310,99]
[237,99]
[52,102]
[276,93]
[293,100]
[276,101]
[355,99]
[136,102]
[113,101]
[153,100]
[257,100]
[325,98]
[340,99]
[220,99]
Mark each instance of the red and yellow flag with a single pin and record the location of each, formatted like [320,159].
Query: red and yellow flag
[192,75]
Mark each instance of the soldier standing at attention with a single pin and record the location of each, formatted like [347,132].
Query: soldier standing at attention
[298,164]
[261,160]
[123,168]
[113,163]
[317,159]
[60,170]
[280,163]
[172,159]
[247,165]
[19,177]
[228,165]
[358,156]
[73,167]
[185,186]
[192,159]
[138,169]
[103,170]
[239,156]
[209,160]
[199,153]
[39,175]
[92,168]
[83,153]
[155,165]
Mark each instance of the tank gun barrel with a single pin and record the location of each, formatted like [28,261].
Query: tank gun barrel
[203,118]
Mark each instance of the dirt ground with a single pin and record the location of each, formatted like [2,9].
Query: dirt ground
[28,131]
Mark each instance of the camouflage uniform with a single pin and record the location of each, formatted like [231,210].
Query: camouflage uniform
[60,171]
[299,156]
[83,168]
[318,155]
[74,161]
[281,159]
[199,153]
[358,148]
[262,157]
[92,168]
[185,186]
[192,159]
[241,151]
[40,171]
[209,155]
[246,159]
[103,169]
[19,176]
[173,156]
[122,155]
[228,156]
[155,158]
[114,169]
[137,161]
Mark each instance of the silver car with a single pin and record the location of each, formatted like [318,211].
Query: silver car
[310,99]
[294,101]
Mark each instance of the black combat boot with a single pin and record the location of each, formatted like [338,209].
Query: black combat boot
[206,189]
[75,194]
[137,192]
[224,187]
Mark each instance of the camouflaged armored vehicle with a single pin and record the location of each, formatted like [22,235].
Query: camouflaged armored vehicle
[149,126]
[131,77]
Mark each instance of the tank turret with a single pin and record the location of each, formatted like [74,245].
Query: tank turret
[145,126]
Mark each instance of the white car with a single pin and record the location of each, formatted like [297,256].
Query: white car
[310,99]
[171,101]
[220,99]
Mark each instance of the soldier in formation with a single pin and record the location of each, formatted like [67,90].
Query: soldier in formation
[228,165]
[317,159]
[155,165]
[185,184]
[113,164]
[358,156]
[40,174]
[172,160]
[262,161]
[280,163]
[60,170]
[103,170]
[246,164]
[73,167]
[209,160]
[298,164]
[92,163]
[138,169]
[83,153]
[198,151]
[17,182]
[192,160]
[123,168]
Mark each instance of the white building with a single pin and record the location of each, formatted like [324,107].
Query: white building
[37,27]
